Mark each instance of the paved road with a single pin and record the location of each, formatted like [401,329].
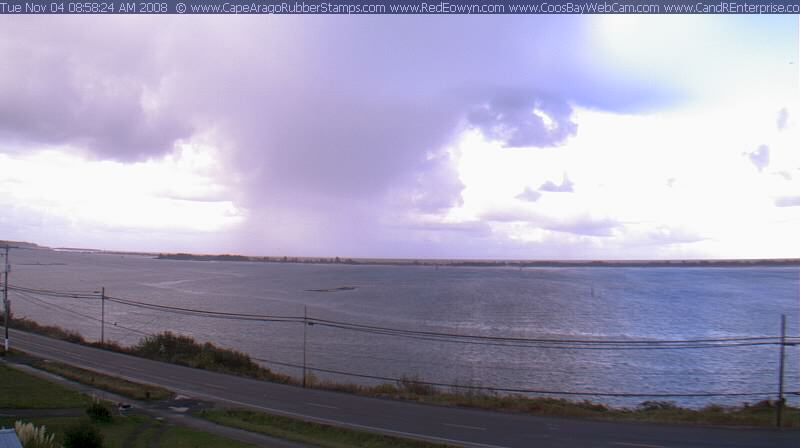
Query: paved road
[466,427]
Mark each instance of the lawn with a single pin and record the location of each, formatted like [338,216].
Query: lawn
[120,386]
[309,433]
[137,431]
[23,391]
[20,390]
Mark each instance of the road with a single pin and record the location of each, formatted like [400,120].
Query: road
[465,427]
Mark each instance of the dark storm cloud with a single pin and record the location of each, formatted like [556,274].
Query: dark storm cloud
[65,90]
[760,157]
[323,122]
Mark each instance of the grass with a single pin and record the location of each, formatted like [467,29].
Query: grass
[178,437]
[138,430]
[758,414]
[25,324]
[19,390]
[309,433]
[130,389]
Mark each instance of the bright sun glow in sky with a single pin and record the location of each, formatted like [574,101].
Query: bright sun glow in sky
[602,137]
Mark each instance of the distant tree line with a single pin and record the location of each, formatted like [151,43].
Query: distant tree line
[487,263]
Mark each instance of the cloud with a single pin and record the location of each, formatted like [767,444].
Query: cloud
[327,129]
[66,90]
[524,120]
[564,187]
[783,119]
[788,201]
[760,157]
[529,194]
[577,224]
[585,225]
[666,235]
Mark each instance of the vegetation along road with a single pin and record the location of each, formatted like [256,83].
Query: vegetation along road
[454,426]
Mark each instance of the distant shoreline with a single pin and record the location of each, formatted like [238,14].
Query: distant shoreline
[485,263]
[727,263]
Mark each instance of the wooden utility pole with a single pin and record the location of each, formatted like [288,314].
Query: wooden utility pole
[6,302]
[305,330]
[102,315]
[781,400]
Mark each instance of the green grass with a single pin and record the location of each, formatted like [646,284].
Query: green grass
[136,391]
[20,390]
[116,433]
[310,433]
[178,437]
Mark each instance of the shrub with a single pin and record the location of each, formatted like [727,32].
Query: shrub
[32,437]
[83,435]
[98,412]
[413,385]
[656,405]
[384,389]
[25,324]
[176,349]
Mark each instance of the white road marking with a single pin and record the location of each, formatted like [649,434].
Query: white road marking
[326,406]
[456,425]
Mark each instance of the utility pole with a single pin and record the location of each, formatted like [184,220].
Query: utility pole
[781,400]
[6,302]
[305,330]
[102,315]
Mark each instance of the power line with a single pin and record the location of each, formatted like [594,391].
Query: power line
[64,294]
[53,306]
[431,336]
[521,390]
[564,344]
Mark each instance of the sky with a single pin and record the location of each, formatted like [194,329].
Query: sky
[512,137]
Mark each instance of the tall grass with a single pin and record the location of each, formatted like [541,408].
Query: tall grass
[31,436]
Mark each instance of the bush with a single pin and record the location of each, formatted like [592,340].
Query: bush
[32,437]
[656,405]
[83,435]
[99,412]
[25,324]
[414,386]
[177,349]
